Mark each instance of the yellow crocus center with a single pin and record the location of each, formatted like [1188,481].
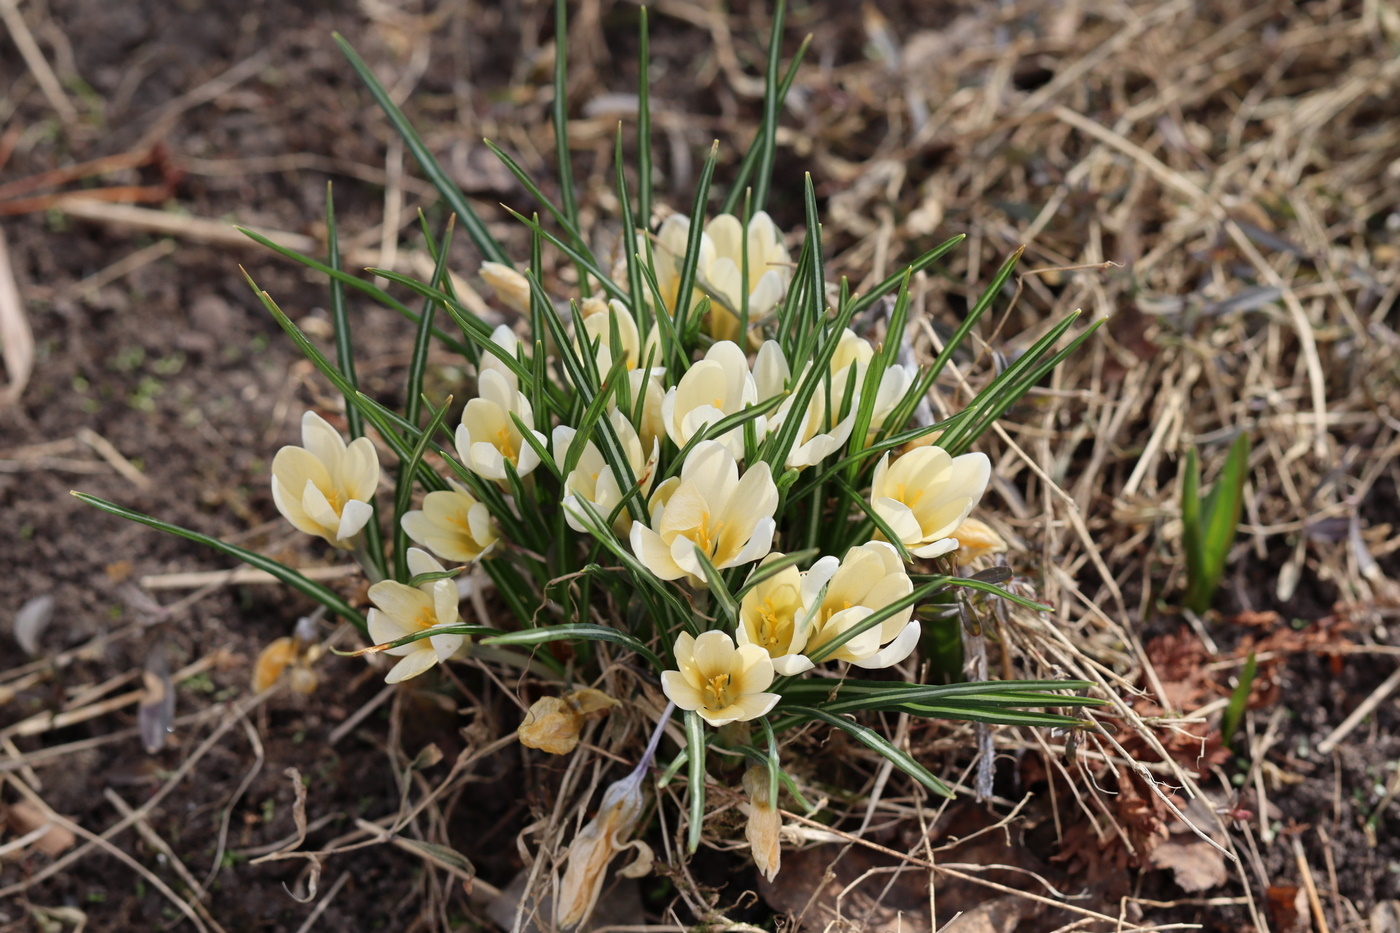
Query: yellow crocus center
[716,692]
[425,618]
[903,494]
[707,537]
[504,445]
[773,630]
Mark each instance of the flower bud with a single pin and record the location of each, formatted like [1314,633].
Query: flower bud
[510,286]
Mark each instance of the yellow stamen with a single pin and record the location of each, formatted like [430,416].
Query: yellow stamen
[716,692]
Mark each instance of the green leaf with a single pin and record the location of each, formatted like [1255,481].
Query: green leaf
[874,740]
[875,618]
[1209,531]
[345,278]
[689,266]
[586,631]
[403,491]
[453,195]
[643,127]
[459,628]
[895,280]
[695,739]
[1239,699]
[723,600]
[287,575]
[772,105]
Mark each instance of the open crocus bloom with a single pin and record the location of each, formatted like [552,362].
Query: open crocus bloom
[594,481]
[772,617]
[837,597]
[717,386]
[925,495]
[324,487]
[400,610]
[721,682]
[488,436]
[453,525]
[709,507]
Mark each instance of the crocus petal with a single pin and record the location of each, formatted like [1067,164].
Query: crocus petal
[679,692]
[413,664]
[896,651]
[353,517]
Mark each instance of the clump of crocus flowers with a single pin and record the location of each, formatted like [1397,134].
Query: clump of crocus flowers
[758,475]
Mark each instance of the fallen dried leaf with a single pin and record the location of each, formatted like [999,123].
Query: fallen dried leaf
[23,818]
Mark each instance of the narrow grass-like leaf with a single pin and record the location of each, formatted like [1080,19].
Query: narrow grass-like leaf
[579,257]
[874,740]
[985,586]
[403,490]
[755,150]
[892,281]
[1217,521]
[772,106]
[695,740]
[345,278]
[643,122]
[1239,699]
[452,194]
[345,359]
[690,262]
[885,530]
[459,628]
[287,575]
[586,631]
[723,600]
[563,161]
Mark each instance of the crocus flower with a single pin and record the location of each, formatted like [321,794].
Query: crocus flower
[650,427]
[593,480]
[771,616]
[488,436]
[453,525]
[925,495]
[510,286]
[717,386]
[400,610]
[324,487]
[838,596]
[721,682]
[730,519]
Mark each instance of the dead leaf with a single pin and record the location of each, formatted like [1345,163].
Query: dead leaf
[1195,864]
[24,818]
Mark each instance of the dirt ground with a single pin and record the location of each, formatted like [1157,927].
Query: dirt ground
[160,382]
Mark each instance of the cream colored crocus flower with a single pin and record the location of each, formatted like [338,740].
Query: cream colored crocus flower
[764,825]
[716,387]
[400,610]
[593,480]
[488,436]
[720,267]
[709,507]
[722,682]
[838,596]
[771,616]
[325,487]
[820,434]
[453,525]
[926,493]
[510,286]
